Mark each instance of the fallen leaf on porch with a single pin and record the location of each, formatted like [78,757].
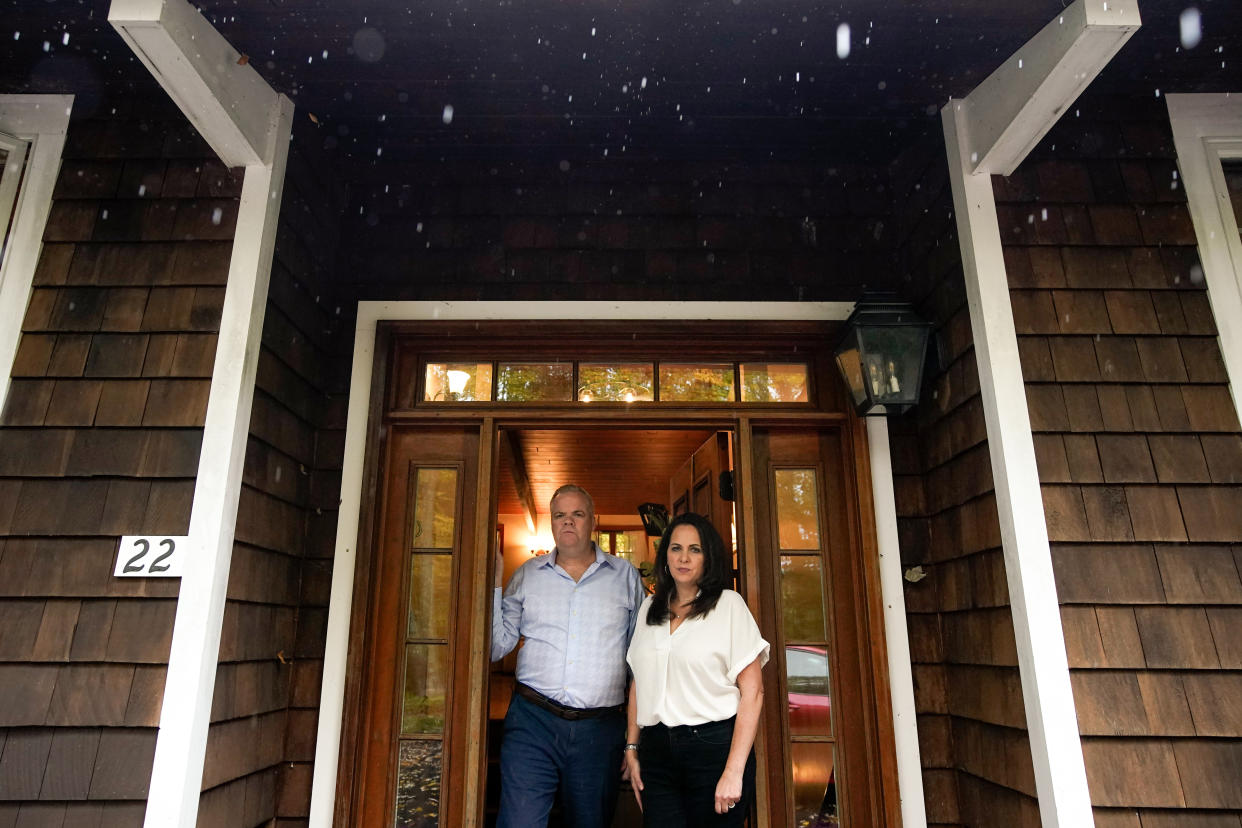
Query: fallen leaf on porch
[242,60]
[915,574]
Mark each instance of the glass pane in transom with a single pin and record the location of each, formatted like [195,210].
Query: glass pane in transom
[773,382]
[535,381]
[797,509]
[696,382]
[435,509]
[616,381]
[458,382]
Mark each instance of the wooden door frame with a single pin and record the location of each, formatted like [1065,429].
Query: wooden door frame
[330,787]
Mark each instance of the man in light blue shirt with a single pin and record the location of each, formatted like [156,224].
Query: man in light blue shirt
[576,609]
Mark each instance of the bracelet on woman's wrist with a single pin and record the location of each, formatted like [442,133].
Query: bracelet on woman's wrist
[631,746]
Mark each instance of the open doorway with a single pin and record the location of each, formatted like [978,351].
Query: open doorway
[481,427]
[622,469]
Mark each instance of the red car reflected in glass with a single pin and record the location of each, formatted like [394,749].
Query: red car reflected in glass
[810,714]
[810,697]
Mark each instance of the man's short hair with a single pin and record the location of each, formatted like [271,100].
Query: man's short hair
[573,488]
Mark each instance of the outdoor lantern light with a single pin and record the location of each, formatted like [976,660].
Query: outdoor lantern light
[881,355]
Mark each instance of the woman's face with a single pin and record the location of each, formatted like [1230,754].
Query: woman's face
[685,556]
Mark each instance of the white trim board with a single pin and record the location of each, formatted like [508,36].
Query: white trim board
[370,314]
[1207,129]
[1009,111]
[247,124]
[40,120]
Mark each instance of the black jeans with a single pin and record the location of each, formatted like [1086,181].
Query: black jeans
[680,767]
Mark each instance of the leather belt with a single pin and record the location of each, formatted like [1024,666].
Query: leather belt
[572,714]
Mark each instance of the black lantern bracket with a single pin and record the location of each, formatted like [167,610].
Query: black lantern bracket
[881,354]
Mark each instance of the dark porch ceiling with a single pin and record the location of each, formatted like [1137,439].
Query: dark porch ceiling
[561,80]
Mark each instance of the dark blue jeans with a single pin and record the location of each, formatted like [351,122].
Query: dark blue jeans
[680,767]
[542,752]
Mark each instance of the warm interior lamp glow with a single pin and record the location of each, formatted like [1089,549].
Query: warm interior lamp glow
[629,396]
[457,381]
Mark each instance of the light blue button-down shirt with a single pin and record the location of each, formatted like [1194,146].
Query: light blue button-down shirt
[576,632]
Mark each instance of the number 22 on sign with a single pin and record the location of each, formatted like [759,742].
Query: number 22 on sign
[151,556]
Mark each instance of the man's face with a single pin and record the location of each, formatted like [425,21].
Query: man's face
[572,523]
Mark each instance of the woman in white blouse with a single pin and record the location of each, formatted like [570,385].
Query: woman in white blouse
[696,695]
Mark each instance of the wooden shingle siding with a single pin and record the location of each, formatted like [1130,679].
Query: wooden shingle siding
[1139,452]
[264,712]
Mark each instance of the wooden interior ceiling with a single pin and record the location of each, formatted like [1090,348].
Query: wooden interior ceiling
[621,468]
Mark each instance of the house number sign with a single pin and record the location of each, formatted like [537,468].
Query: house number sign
[151,556]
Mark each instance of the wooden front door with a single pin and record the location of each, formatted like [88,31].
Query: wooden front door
[412,760]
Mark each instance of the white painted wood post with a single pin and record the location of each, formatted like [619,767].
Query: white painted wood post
[181,747]
[896,633]
[1056,750]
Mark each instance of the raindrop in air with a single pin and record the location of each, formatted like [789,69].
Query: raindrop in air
[843,41]
[1190,28]
[368,45]
[216,215]
[447,117]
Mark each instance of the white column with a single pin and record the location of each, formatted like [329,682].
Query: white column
[180,748]
[896,635]
[1052,724]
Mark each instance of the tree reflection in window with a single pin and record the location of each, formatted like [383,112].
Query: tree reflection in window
[700,382]
[773,382]
[535,381]
[616,382]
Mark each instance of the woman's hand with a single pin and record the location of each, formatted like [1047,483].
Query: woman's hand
[631,772]
[728,790]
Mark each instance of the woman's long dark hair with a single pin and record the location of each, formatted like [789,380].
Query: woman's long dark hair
[711,583]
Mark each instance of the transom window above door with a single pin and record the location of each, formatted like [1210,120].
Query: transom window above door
[620,381]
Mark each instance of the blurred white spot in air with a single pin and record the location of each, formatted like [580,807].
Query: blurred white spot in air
[882,85]
[1157,93]
[563,166]
[843,41]
[216,215]
[1190,28]
[1196,273]
[1019,63]
[103,215]
[642,84]
[797,77]
[65,40]
[368,45]
[418,228]
[447,117]
[142,190]
[325,54]
[17,35]
[592,31]
[47,47]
